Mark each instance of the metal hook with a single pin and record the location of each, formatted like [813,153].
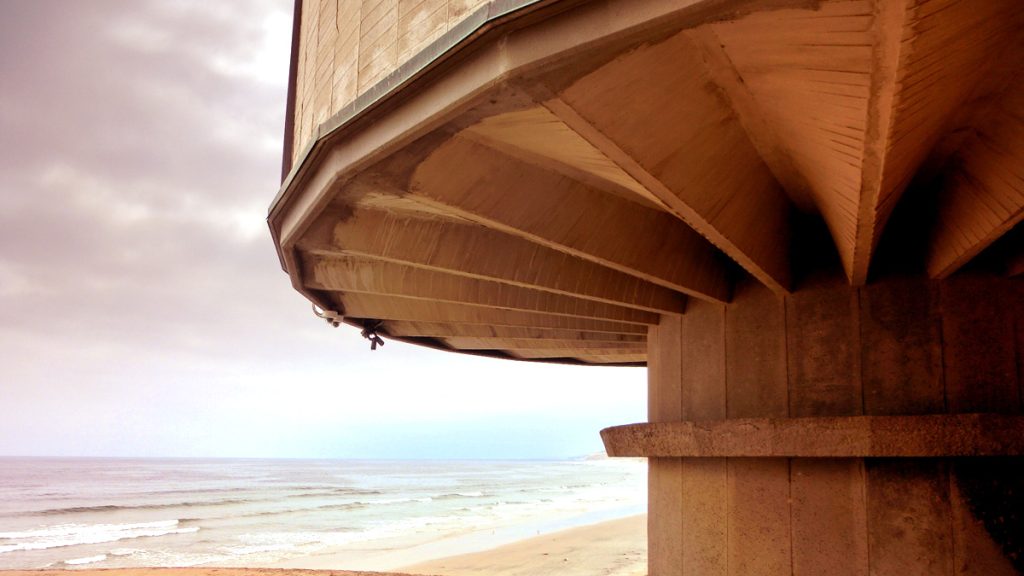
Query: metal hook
[370,333]
[330,316]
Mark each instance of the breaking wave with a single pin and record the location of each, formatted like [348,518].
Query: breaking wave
[75,534]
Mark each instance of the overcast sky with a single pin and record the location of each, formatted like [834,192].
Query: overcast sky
[143,311]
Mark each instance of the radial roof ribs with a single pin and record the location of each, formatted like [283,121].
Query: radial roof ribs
[536,349]
[849,100]
[440,330]
[636,356]
[538,344]
[515,196]
[360,275]
[982,197]
[415,310]
[688,149]
[537,136]
[548,177]
[478,252]
[502,192]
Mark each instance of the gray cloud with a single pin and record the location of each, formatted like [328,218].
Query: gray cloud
[139,156]
[142,307]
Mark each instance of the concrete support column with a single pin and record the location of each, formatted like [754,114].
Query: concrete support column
[903,348]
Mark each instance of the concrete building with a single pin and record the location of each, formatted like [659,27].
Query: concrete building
[802,215]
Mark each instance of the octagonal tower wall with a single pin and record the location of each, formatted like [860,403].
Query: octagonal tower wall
[347,46]
[904,348]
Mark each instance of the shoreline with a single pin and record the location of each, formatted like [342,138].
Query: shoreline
[415,551]
[609,548]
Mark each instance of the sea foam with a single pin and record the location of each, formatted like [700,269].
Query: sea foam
[86,560]
[75,534]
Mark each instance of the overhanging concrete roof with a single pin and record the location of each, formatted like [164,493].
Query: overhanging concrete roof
[547,178]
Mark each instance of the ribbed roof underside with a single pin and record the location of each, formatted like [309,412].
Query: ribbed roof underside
[565,176]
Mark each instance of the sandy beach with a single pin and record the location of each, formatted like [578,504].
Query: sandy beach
[613,548]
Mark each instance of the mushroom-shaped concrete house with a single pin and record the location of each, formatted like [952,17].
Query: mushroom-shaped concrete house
[802,215]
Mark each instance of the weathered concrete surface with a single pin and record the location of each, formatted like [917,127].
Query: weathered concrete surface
[726,115]
[827,434]
[936,435]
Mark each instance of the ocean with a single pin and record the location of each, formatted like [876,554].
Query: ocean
[344,514]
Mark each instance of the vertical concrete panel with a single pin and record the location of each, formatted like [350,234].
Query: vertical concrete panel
[298,136]
[310,46]
[346,54]
[664,495]
[755,353]
[306,74]
[758,517]
[327,28]
[664,516]
[823,349]
[663,370]
[980,352]
[704,513]
[347,46]
[703,361]
[419,23]
[901,334]
[975,553]
[909,517]
[829,517]
[327,37]
[378,41]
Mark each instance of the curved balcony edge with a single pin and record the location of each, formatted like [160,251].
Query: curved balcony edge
[928,436]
